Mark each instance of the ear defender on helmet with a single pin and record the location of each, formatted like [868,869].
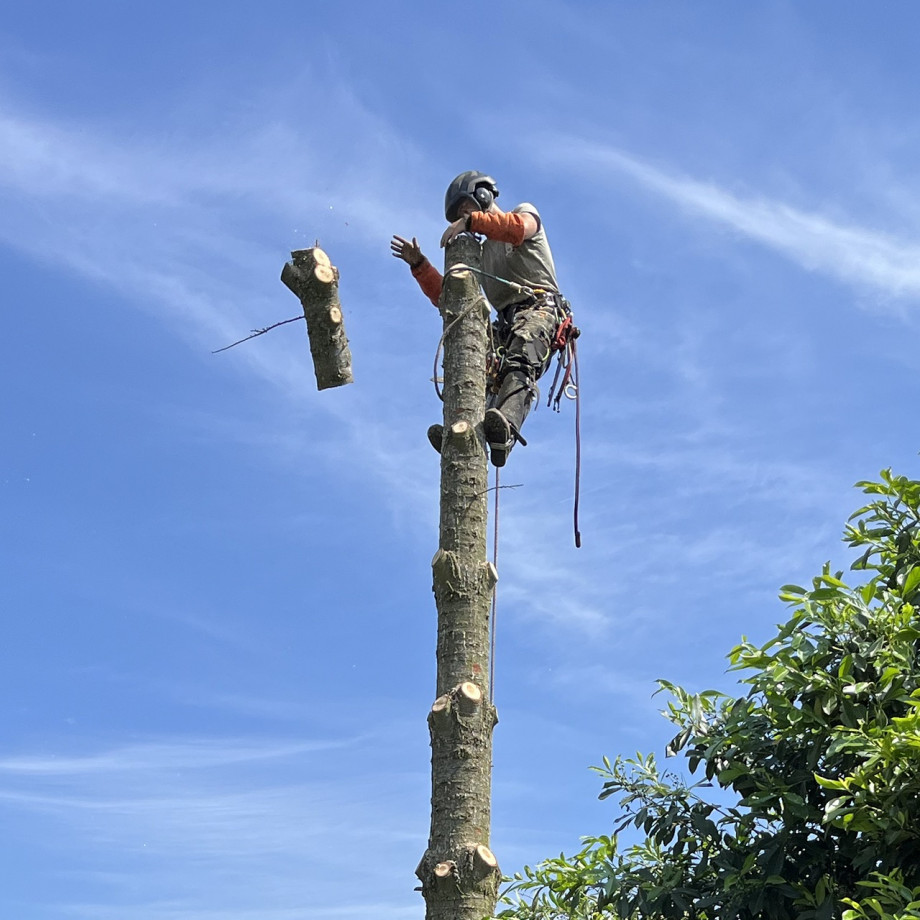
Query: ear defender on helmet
[484,198]
[474,186]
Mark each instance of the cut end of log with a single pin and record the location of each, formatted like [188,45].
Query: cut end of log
[315,261]
[313,255]
[335,315]
[324,273]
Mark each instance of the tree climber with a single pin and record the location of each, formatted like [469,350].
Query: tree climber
[515,256]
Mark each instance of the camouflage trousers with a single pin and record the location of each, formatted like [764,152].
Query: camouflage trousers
[523,336]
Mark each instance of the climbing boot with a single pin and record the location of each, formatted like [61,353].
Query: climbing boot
[502,424]
[514,399]
[499,436]
[436,437]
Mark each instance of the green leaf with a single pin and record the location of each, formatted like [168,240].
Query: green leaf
[846,667]
[911,581]
[830,783]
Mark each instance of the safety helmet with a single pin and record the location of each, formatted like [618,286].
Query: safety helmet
[476,186]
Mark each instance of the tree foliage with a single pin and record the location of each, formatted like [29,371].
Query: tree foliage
[805,798]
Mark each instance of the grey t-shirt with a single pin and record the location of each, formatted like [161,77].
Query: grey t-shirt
[530,264]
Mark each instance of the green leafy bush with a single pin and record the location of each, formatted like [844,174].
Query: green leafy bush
[806,797]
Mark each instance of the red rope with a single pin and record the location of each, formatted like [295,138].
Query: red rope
[577,445]
[567,366]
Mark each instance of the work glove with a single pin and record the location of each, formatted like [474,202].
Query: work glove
[410,253]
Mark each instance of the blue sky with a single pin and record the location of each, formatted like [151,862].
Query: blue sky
[218,647]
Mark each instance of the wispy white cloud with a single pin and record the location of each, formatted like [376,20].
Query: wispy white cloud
[266,708]
[862,256]
[177,911]
[150,756]
[178,828]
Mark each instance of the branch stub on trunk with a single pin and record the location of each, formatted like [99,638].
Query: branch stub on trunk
[486,857]
[469,696]
[445,869]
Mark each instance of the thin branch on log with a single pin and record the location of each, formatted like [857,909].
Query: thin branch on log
[258,332]
[516,485]
[493,489]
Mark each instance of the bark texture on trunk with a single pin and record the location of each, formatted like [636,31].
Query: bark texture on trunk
[314,280]
[459,873]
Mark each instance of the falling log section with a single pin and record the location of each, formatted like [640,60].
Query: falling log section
[315,281]
[458,872]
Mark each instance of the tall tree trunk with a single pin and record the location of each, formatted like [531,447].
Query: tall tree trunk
[459,873]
